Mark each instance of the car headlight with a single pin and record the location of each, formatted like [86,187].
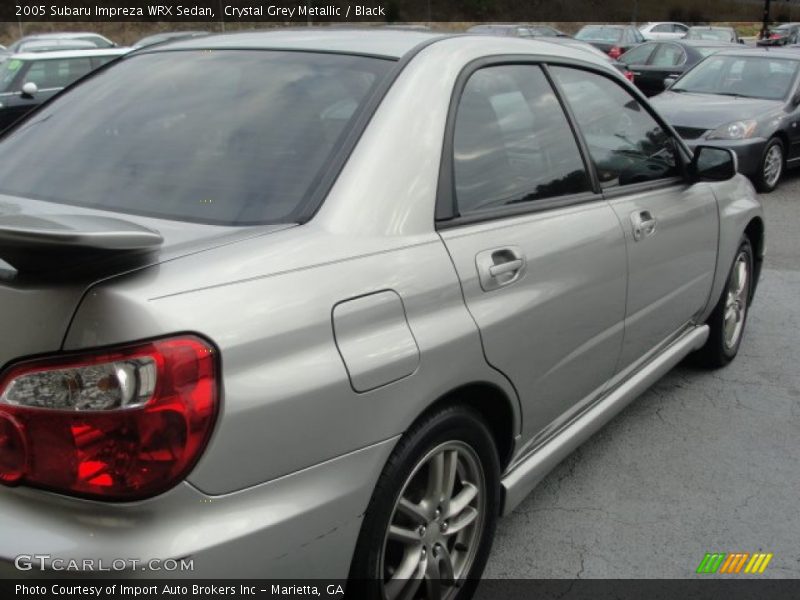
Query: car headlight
[738,130]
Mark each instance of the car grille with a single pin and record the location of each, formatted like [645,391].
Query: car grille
[690,133]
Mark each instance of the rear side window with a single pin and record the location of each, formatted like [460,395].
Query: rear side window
[227,137]
[668,55]
[627,144]
[637,55]
[512,142]
[48,74]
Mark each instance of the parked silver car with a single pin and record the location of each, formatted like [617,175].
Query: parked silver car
[317,304]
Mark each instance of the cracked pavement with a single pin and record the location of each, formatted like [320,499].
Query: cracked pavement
[701,462]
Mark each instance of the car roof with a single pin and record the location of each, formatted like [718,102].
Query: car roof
[706,43]
[70,54]
[62,35]
[760,52]
[389,43]
[373,42]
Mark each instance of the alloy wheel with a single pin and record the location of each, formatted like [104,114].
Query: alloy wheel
[736,300]
[435,528]
[773,165]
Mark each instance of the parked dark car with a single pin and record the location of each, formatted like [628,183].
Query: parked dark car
[714,34]
[517,30]
[586,46]
[167,36]
[782,35]
[614,40]
[653,62]
[97,40]
[27,80]
[745,100]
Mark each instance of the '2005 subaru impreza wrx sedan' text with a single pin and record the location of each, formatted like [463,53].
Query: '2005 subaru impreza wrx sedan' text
[325,304]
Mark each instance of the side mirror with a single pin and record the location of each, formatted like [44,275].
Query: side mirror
[713,164]
[796,99]
[669,82]
[29,89]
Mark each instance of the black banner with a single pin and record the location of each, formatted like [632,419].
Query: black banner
[699,588]
[321,11]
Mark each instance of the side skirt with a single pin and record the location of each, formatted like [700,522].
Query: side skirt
[523,478]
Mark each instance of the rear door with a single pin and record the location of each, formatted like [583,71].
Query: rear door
[671,227]
[667,61]
[539,252]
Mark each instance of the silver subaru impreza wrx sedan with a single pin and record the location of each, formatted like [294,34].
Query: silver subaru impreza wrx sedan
[325,304]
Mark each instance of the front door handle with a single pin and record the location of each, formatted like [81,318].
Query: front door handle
[499,267]
[506,267]
[644,224]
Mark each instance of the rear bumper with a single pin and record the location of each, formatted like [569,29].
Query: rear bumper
[749,152]
[303,525]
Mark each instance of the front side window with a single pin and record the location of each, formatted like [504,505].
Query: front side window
[512,143]
[598,33]
[627,144]
[637,55]
[229,136]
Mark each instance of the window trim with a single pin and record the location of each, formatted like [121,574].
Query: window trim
[446,213]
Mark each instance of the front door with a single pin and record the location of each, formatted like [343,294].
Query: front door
[540,254]
[671,227]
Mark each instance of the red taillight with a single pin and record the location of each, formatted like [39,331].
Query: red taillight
[775,36]
[122,424]
[628,75]
[615,52]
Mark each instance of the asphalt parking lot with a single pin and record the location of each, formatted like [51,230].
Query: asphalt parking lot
[703,462]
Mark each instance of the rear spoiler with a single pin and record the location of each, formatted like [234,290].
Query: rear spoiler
[43,243]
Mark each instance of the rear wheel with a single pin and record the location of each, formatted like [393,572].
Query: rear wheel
[772,165]
[430,523]
[728,320]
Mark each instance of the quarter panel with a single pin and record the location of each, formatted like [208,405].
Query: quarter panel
[288,403]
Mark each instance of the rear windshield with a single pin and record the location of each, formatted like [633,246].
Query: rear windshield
[227,137]
[599,34]
[722,35]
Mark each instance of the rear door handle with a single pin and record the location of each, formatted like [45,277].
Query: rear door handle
[643,223]
[499,267]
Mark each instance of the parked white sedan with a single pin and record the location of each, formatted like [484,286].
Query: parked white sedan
[664,31]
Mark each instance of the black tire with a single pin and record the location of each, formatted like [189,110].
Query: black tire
[452,424]
[762,182]
[717,351]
